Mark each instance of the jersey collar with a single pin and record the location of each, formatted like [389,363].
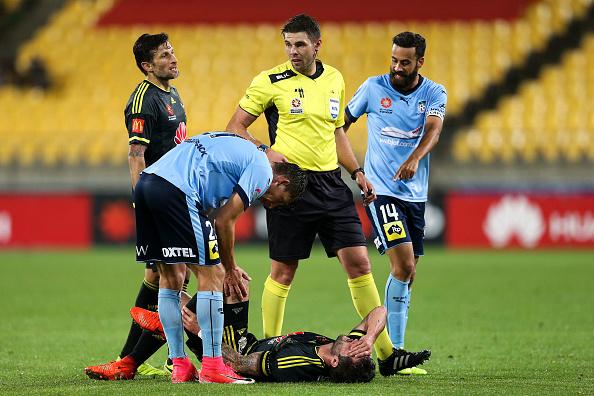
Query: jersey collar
[155,85]
[318,72]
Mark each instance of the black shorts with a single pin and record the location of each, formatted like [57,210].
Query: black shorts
[326,208]
[169,226]
[395,222]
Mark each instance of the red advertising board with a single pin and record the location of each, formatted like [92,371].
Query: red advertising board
[520,220]
[44,220]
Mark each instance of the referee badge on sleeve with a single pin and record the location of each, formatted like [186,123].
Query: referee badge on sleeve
[334,108]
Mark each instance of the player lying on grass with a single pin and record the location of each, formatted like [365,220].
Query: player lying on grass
[300,356]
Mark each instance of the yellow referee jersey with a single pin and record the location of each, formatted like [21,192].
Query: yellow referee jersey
[302,112]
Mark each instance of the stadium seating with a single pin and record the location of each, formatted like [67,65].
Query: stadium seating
[80,121]
[549,119]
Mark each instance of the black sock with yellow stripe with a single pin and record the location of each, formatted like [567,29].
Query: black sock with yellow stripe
[148,299]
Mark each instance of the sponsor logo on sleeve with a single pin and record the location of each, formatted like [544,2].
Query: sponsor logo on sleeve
[137,125]
[257,192]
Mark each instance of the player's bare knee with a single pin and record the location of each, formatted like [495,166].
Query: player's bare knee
[283,272]
[151,276]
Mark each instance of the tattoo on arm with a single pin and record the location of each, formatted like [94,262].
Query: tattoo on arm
[250,365]
[136,150]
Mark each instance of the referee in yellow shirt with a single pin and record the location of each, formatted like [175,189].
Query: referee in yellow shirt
[303,101]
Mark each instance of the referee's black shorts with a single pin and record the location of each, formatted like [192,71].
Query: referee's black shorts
[326,208]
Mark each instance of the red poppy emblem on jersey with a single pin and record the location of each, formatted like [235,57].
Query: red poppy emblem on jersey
[169,109]
[137,125]
[180,133]
[386,102]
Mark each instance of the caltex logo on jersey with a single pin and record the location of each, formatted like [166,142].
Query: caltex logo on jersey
[386,102]
[180,133]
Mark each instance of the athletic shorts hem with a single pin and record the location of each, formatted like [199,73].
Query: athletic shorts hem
[355,244]
[287,258]
[175,262]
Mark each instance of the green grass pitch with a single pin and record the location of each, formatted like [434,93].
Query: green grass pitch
[497,322]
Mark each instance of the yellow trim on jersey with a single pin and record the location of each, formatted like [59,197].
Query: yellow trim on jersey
[309,111]
[263,363]
[139,138]
[138,97]
[294,361]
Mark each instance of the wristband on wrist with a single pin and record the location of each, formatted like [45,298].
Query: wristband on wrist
[263,147]
[354,173]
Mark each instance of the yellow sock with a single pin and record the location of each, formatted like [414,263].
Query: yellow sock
[365,298]
[274,297]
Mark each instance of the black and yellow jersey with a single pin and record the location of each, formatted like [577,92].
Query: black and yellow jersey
[302,112]
[294,357]
[155,118]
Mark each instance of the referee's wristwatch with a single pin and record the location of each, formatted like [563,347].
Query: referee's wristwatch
[354,173]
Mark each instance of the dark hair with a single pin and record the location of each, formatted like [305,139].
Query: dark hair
[297,178]
[348,370]
[303,23]
[146,46]
[410,40]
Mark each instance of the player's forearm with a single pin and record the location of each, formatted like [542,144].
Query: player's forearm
[344,151]
[374,322]
[136,164]
[427,143]
[226,241]
[249,365]
[347,123]
[239,123]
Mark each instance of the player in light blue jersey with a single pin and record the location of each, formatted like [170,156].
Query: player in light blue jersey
[212,171]
[405,113]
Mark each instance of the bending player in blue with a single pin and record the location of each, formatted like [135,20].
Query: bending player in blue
[405,113]
[173,198]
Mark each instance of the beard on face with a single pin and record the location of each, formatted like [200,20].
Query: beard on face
[405,79]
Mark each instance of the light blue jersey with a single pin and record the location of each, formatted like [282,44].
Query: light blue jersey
[396,125]
[209,168]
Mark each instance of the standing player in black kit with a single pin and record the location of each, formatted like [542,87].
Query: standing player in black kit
[156,123]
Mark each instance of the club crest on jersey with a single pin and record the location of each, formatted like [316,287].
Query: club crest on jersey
[137,125]
[180,133]
[422,106]
[334,108]
[296,106]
